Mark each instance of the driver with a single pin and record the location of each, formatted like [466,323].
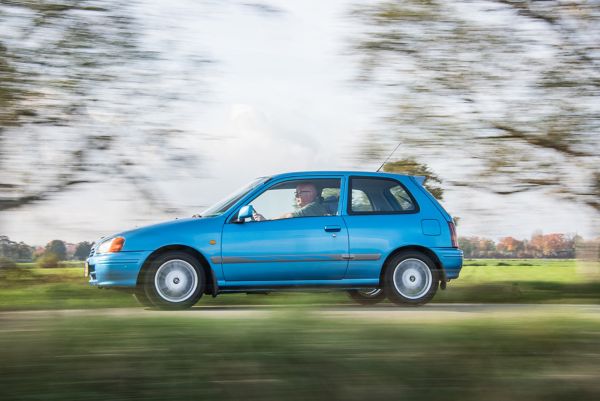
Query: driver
[309,204]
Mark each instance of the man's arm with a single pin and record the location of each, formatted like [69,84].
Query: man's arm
[260,217]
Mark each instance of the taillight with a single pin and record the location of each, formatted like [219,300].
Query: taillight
[453,234]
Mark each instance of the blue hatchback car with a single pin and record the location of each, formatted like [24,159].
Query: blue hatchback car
[374,235]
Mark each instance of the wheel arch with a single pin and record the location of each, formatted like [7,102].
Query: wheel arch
[211,286]
[408,248]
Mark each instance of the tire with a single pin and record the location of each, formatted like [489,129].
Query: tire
[411,279]
[140,295]
[175,280]
[367,297]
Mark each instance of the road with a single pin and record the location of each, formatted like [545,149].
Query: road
[386,312]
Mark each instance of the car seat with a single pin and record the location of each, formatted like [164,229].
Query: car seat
[331,204]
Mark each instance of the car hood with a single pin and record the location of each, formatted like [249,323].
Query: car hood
[178,231]
[158,226]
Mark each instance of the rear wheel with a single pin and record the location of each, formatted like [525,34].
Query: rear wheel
[175,280]
[370,296]
[411,279]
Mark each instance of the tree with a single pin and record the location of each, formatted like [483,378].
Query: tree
[486,248]
[536,244]
[66,115]
[511,247]
[477,247]
[24,252]
[554,245]
[510,86]
[82,251]
[410,166]
[58,248]
[467,246]
[15,251]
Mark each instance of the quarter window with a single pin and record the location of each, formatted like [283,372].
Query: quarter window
[379,195]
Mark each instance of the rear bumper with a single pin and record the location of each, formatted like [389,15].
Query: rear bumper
[119,269]
[452,261]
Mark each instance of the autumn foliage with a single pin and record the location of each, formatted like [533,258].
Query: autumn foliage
[538,246]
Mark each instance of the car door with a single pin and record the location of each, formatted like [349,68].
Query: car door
[288,249]
[380,215]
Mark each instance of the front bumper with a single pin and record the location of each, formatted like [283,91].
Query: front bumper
[118,269]
[452,261]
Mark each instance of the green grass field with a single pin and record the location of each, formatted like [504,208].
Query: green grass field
[483,280]
[518,280]
[292,356]
[294,353]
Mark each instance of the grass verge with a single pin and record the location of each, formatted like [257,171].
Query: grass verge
[484,280]
[298,357]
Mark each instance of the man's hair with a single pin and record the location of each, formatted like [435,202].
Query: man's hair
[308,183]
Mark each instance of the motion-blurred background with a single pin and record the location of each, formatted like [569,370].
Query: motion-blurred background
[116,114]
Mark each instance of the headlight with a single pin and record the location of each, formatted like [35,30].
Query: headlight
[111,245]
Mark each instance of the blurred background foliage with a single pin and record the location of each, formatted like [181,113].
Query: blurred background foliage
[508,89]
[504,92]
[539,245]
[410,166]
[68,71]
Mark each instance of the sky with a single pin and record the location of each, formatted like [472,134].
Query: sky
[279,94]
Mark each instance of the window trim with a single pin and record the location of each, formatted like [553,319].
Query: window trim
[349,211]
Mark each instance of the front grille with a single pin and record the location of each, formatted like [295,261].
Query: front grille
[92,252]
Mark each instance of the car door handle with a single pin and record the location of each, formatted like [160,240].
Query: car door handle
[333,229]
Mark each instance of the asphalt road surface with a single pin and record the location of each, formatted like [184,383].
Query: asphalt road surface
[387,312]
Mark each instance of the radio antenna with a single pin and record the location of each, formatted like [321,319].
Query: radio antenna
[388,158]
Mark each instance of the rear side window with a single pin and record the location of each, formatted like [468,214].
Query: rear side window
[403,198]
[360,201]
[379,196]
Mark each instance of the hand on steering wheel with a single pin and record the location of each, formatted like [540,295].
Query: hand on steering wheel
[257,216]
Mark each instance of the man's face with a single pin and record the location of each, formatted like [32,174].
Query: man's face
[305,194]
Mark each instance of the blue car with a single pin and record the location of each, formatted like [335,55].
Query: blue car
[374,235]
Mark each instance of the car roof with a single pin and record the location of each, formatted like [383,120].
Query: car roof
[333,172]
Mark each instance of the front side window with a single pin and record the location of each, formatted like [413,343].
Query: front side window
[298,198]
[379,195]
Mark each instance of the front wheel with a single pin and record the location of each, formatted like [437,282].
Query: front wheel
[369,296]
[411,279]
[175,280]
[140,295]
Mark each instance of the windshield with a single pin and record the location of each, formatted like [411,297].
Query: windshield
[222,206]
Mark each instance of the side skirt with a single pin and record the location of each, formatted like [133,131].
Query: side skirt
[301,285]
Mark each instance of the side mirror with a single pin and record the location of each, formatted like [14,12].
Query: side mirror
[245,213]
